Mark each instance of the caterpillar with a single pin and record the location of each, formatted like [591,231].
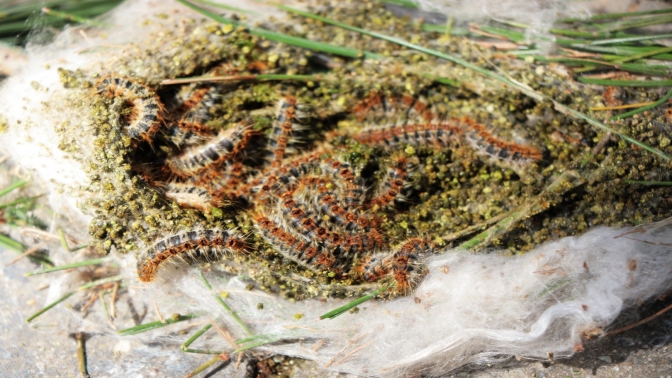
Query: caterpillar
[198,159]
[435,133]
[405,269]
[187,134]
[208,243]
[485,143]
[376,108]
[193,196]
[288,111]
[195,104]
[143,117]
[391,188]
[301,251]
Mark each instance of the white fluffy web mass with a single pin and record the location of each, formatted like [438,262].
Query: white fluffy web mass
[469,309]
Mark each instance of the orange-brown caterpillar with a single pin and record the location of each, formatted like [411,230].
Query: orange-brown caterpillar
[401,266]
[483,141]
[209,244]
[391,188]
[220,148]
[414,124]
[435,133]
[144,113]
[287,113]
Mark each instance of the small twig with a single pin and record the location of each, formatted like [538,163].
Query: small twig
[113,300]
[81,354]
[456,235]
[657,183]
[317,346]
[600,145]
[225,334]
[349,343]
[239,360]
[633,325]
[619,107]
[27,231]
[105,310]
[24,254]
[90,303]
[208,364]
[352,352]
[649,242]
[473,28]
[158,313]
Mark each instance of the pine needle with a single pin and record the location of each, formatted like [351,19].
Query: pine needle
[154,325]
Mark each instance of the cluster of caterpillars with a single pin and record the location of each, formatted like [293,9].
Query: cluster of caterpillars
[311,206]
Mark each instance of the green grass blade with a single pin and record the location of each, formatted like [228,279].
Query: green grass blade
[228,309]
[403,3]
[223,6]
[71,293]
[68,266]
[339,311]
[511,35]
[12,187]
[206,365]
[154,325]
[283,38]
[50,306]
[626,83]
[434,28]
[630,39]
[9,243]
[649,183]
[609,16]
[643,108]
[662,50]
[185,347]
[263,341]
[581,34]
[647,69]
[73,17]
[525,89]
[636,23]
[19,201]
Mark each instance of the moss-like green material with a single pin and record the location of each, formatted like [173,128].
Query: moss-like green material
[453,194]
